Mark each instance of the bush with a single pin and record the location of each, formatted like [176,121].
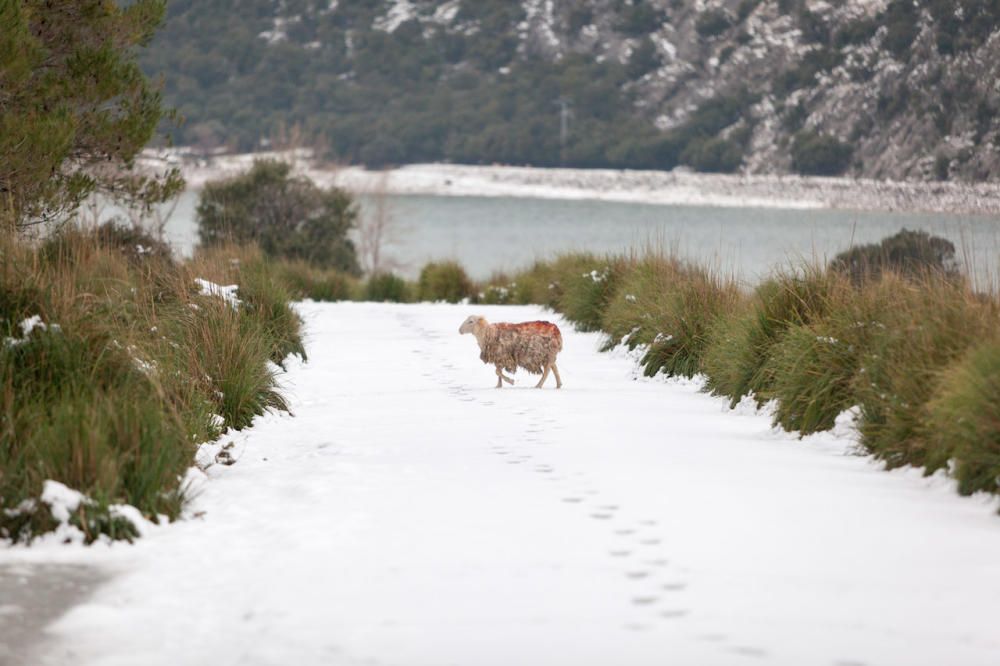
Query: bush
[818,155]
[964,420]
[714,155]
[444,281]
[289,217]
[387,287]
[712,22]
[585,286]
[928,326]
[124,374]
[305,281]
[912,254]
[668,307]
[901,18]
[812,367]
[905,348]
[640,19]
[741,344]
[685,315]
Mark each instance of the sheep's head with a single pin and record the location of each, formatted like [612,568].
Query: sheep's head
[471,324]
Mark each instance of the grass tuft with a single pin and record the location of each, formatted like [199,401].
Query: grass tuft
[125,370]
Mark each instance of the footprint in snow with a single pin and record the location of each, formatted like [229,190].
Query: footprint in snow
[748,651]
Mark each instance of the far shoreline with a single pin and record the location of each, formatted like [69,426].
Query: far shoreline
[677,187]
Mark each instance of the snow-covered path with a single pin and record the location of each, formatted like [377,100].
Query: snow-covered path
[410,514]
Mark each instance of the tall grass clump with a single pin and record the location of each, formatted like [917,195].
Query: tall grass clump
[892,329]
[668,307]
[929,326]
[304,281]
[444,281]
[387,288]
[741,342]
[964,419]
[261,290]
[536,285]
[583,286]
[114,366]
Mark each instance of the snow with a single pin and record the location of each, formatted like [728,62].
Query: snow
[62,500]
[399,13]
[28,326]
[677,187]
[226,293]
[411,514]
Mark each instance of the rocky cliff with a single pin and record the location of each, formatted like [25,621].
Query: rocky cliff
[902,89]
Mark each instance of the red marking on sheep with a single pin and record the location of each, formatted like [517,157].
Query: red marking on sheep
[544,328]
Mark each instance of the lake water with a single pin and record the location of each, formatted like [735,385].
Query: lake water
[489,234]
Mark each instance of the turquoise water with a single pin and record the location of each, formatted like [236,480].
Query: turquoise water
[489,234]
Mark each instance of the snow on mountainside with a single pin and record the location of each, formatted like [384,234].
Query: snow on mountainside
[877,88]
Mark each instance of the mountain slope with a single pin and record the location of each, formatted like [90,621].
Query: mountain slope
[898,89]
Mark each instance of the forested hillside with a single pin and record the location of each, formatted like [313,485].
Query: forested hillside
[900,88]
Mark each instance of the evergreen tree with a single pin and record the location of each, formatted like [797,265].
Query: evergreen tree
[288,216]
[75,108]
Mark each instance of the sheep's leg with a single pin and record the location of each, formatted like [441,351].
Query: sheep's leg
[555,371]
[501,378]
[545,375]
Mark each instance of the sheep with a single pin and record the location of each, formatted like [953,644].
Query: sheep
[532,345]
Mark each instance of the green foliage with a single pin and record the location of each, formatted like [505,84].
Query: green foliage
[901,19]
[684,316]
[641,18]
[287,216]
[804,73]
[696,143]
[443,281]
[586,285]
[305,281]
[643,60]
[924,329]
[74,99]
[394,98]
[912,254]
[942,167]
[964,419]
[742,343]
[959,32]
[859,31]
[114,392]
[387,287]
[715,155]
[819,155]
[713,22]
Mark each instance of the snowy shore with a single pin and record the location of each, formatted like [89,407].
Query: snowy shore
[651,187]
